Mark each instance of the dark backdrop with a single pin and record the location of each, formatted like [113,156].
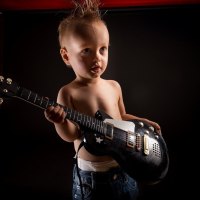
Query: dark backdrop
[154,54]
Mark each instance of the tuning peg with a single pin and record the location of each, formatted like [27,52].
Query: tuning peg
[1,101]
[9,81]
[1,78]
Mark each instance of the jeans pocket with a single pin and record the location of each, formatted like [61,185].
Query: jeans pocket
[130,183]
[125,187]
[77,194]
[131,187]
[86,184]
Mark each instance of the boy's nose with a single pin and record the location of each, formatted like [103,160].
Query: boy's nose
[97,57]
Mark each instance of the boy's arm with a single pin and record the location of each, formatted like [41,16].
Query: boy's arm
[67,130]
[152,123]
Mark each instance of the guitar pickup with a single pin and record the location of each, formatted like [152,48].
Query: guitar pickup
[131,139]
[138,142]
[146,144]
[109,131]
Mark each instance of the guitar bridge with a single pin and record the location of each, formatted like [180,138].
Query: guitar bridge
[146,144]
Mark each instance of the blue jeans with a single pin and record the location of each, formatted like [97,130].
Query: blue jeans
[113,185]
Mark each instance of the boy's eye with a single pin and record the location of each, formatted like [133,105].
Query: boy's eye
[85,51]
[103,49]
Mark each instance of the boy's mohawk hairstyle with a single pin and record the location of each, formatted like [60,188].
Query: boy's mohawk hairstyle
[84,8]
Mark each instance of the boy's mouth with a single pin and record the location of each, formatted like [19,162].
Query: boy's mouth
[95,69]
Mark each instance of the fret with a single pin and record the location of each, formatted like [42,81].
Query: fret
[35,98]
[93,124]
[41,101]
[91,120]
[102,127]
[70,112]
[74,116]
[47,103]
[66,111]
[29,95]
[88,121]
[32,97]
[98,125]
[44,103]
[79,119]
[84,120]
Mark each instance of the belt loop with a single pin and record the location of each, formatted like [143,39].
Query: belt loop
[92,175]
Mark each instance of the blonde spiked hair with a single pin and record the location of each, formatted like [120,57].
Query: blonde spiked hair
[84,11]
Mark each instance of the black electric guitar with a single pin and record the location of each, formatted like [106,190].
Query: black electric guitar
[138,149]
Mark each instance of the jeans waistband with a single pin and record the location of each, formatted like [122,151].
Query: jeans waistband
[111,174]
[96,166]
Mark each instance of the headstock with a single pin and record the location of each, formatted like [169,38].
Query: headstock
[8,88]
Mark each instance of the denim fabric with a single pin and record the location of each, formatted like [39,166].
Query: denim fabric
[113,185]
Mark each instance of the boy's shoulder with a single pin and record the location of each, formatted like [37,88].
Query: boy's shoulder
[65,93]
[66,89]
[114,83]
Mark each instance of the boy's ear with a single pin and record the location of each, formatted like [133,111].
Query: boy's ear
[63,53]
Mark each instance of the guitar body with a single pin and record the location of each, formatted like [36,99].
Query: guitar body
[144,157]
[138,149]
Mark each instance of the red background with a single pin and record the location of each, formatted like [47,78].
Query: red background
[65,4]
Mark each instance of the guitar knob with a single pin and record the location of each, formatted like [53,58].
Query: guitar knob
[141,124]
[151,128]
[156,136]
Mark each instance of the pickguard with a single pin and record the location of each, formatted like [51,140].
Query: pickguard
[127,126]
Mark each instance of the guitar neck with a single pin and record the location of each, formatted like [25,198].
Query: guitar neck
[81,119]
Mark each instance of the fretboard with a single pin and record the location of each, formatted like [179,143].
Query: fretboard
[81,119]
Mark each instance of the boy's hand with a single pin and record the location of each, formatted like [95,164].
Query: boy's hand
[55,114]
[155,125]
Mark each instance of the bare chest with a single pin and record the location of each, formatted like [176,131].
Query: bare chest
[88,101]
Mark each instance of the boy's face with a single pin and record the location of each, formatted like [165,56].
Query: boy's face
[86,49]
